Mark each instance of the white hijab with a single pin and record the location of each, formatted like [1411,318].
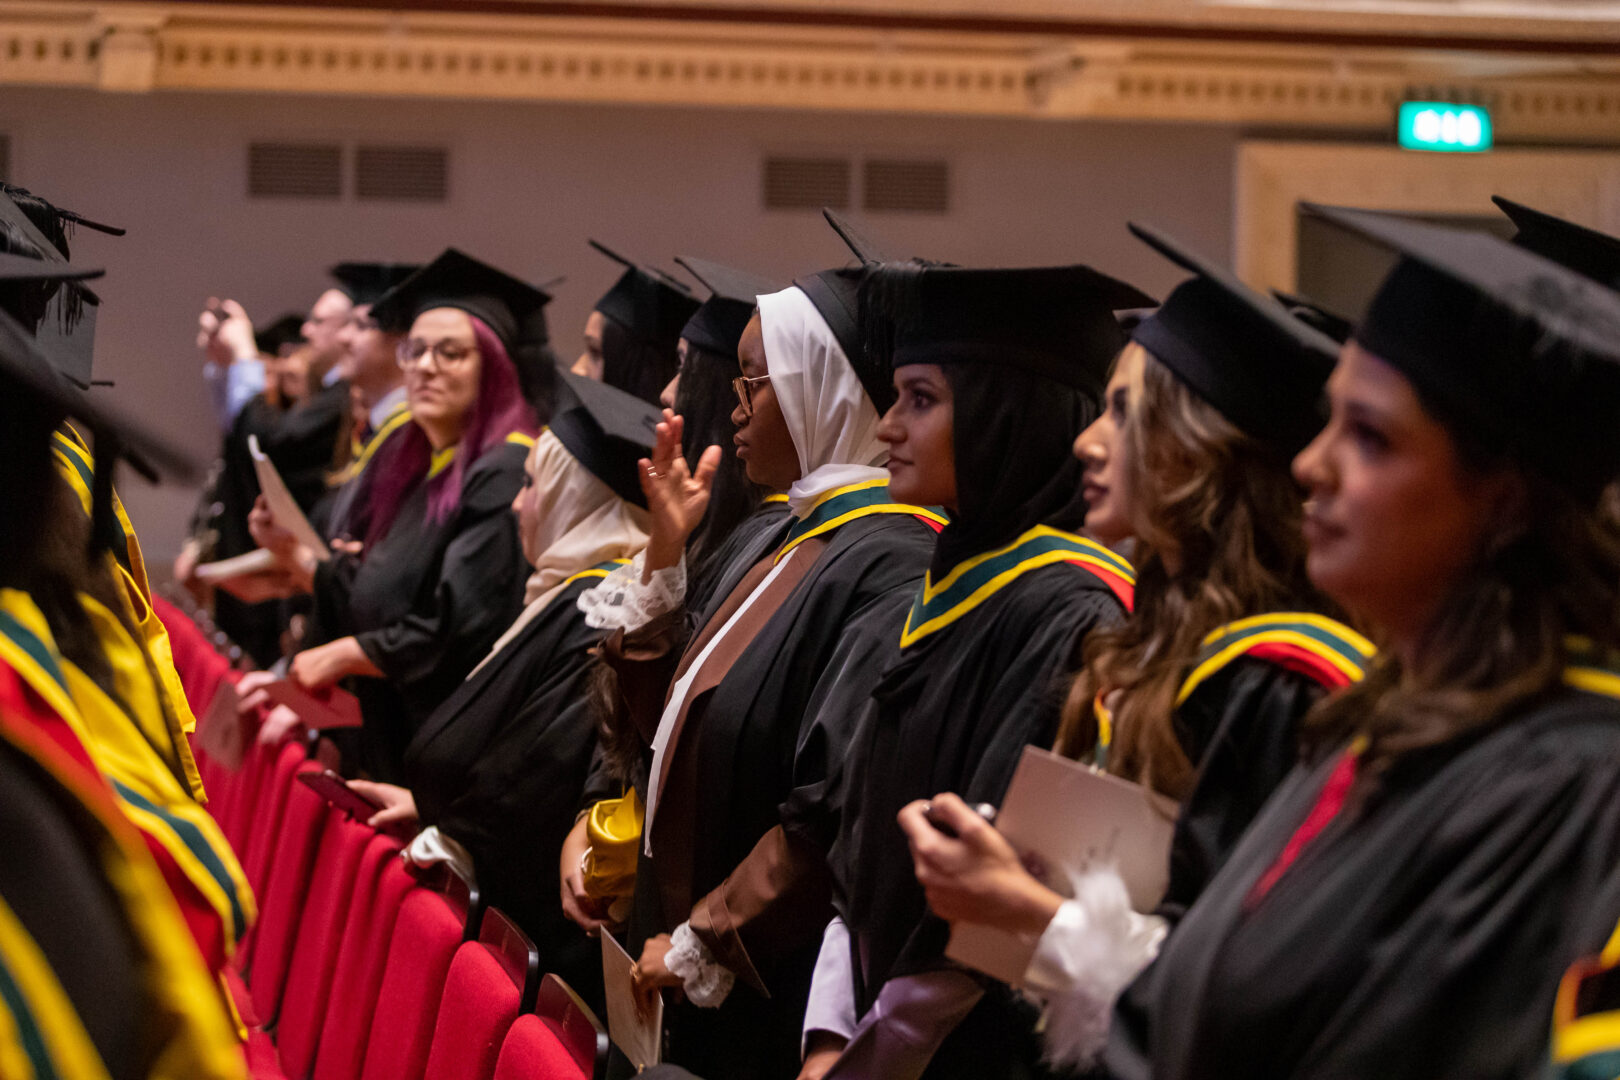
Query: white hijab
[832,421]
[580,522]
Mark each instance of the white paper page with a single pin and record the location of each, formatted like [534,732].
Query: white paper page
[638,1036]
[286,511]
[257,561]
[1063,817]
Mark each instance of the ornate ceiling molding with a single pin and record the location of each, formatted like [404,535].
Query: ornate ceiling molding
[128,47]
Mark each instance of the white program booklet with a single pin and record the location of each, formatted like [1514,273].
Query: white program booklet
[638,1036]
[282,505]
[1064,817]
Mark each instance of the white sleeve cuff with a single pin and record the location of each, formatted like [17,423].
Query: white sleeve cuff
[705,980]
[1091,950]
[832,988]
[621,602]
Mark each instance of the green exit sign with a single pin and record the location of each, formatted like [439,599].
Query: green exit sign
[1444,126]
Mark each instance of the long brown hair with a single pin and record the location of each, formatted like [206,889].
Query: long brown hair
[1500,639]
[1225,509]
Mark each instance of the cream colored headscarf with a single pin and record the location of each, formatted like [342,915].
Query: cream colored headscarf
[580,522]
[832,421]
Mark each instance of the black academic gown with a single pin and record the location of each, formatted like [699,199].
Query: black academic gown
[954,713]
[500,767]
[1419,936]
[1241,729]
[749,767]
[302,443]
[426,602]
[756,534]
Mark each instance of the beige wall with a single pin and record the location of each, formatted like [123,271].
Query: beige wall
[528,184]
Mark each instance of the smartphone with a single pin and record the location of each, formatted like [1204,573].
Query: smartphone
[335,790]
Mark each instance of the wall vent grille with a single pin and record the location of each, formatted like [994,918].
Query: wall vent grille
[889,184]
[807,183]
[295,171]
[402,173]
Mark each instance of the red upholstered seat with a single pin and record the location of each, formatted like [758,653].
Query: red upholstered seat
[575,1026]
[267,803]
[532,1051]
[479,1004]
[360,964]
[281,902]
[426,936]
[348,850]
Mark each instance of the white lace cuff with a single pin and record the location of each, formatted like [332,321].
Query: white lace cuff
[1091,950]
[621,602]
[704,979]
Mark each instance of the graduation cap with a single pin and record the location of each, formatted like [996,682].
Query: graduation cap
[1053,321]
[1242,352]
[512,308]
[717,326]
[607,430]
[836,296]
[1315,316]
[648,303]
[367,282]
[59,311]
[270,338]
[30,383]
[1510,348]
[1586,251]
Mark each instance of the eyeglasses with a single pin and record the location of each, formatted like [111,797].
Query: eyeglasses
[446,354]
[745,391]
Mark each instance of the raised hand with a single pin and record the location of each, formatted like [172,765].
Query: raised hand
[677,497]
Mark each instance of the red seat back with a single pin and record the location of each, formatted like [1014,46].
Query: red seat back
[281,903]
[479,1004]
[532,1051]
[426,936]
[574,1024]
[359,974]
[340,862]
[266,807]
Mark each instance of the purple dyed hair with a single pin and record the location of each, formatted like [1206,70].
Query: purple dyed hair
[497,411]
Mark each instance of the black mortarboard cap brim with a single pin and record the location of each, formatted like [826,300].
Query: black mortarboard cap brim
[717,326]
[1586,251]
[272,337]
[1056,322]
[649,304]
[1512,349]
[860,244]
[1321,319]
[508,305]
[24,369]
[67,329]
[1241,351]
[607,430]
[368,282]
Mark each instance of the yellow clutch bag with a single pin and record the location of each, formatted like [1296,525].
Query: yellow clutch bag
[614,830]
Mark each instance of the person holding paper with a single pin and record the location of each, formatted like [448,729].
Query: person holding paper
[498,769]
[996,372]
[1200,695]
[438,576]
[729,898]
[1407,901]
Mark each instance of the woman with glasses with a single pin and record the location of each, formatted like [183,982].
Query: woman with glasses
[730,898]
[439,570]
